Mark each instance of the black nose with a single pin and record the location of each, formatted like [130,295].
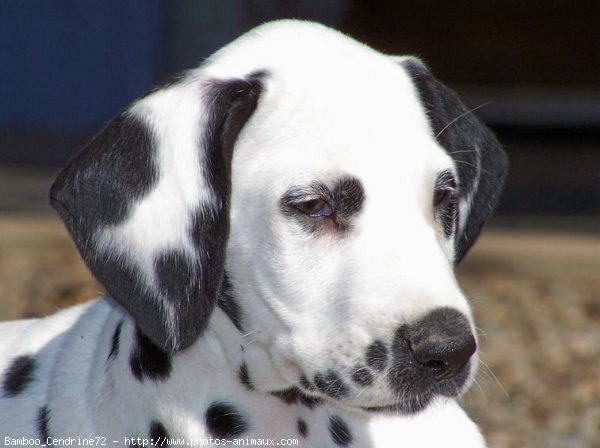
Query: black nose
[441,343]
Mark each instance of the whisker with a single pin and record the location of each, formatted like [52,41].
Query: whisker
[481,333]
[477,167]
[494,377]
[460,116]
[462,151]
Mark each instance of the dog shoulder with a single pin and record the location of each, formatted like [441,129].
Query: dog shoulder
[28,336]
[31,351]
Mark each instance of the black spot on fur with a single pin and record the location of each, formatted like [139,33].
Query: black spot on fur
[99,188]
[478,156]
[330,383]
[308,401]
[114,348]
[290,396]
[339,431]
[43,421]
[158,434]
[305,383]
[117,166]
[294,395]
[244,377]
[227,303]
[18,375]
[362,376]
[114,172]
[231,103]
[349,196]
[302,428]
[224,421]
[182,282]
[377,356]
[147,360]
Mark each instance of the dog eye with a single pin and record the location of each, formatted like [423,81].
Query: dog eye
[441,196]
[444,197]
[315,208]
[444,193]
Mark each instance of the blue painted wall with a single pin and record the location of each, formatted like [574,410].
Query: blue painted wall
[71,64]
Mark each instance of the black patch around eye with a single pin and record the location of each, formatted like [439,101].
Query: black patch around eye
[18,375]
[377,356]
[43,420]
[224,421]
[302,428]
[114,348]
[345,200]
[339,431]
[445,179]
[349,196]
[148,361]
[446,207]
[449,217]
[158,434]
[330,383]
[244,377]
[478,156]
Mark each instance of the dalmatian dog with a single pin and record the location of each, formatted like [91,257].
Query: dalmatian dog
[276,231]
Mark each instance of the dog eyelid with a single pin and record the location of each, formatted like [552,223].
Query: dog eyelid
[444,189]
[315,208]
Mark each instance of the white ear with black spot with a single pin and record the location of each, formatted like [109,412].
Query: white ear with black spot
[147,202]
[480,161]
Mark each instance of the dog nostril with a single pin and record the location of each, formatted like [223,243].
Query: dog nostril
[443,357]
[440,343]
[435,367]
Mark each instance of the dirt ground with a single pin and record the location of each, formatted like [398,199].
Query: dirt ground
[535,295]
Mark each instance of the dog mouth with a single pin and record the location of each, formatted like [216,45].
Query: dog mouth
[433,357]
[399,389]
[415,400]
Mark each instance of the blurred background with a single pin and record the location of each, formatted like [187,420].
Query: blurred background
[531,66]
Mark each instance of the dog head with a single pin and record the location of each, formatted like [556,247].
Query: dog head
[335,186]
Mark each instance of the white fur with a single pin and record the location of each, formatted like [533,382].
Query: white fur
[331,107]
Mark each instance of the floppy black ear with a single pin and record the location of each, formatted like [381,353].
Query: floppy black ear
[480,160]
[147,202]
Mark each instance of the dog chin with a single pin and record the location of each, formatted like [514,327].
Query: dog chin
[407,406]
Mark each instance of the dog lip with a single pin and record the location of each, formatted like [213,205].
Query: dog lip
[405,407]
[382,408]
[400,407]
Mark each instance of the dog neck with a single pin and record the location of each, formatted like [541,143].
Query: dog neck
[246,355]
